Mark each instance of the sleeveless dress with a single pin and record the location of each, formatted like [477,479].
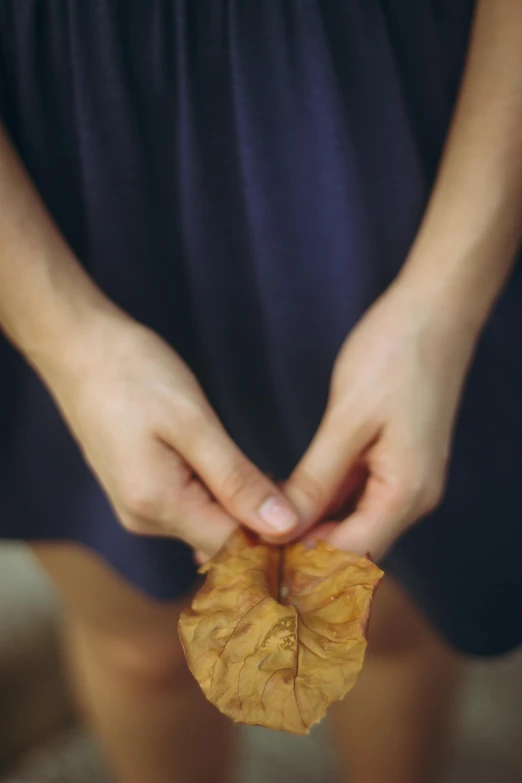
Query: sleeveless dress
[246,176]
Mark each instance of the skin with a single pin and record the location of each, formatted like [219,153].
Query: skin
[386,434]
[394,726]
[136,410]
[145,427]
[130,678]
[395,424]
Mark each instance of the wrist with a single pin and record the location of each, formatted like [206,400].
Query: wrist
[73,326]
[449,317]
[461,288]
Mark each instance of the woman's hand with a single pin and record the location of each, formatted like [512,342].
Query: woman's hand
[382,448]
[136,410]
[386,435]
[152,439]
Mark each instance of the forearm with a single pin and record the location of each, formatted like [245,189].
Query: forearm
[472,228]
[46,298]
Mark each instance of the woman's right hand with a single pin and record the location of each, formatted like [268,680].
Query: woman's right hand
[155,444]
[137,412]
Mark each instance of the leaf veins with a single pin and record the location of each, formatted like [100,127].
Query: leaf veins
[276,634]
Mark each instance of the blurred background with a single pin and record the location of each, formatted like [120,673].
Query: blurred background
[43,741]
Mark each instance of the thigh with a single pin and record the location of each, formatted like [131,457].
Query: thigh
[398,625]
[98,597]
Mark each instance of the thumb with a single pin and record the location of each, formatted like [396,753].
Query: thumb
[243,490]
[328,473]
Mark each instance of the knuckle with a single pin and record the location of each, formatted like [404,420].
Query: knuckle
[431,496]
[421,491]
[140,500]
[311,488]
[239,480]
[193,417]
[407,491]
[400,497]
[132,524]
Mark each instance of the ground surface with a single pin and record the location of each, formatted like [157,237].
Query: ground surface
[488,740]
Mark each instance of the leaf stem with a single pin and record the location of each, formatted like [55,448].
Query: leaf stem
[281,587]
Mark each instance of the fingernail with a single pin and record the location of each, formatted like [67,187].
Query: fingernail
[278,515]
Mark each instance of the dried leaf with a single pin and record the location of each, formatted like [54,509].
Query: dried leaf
[278,633]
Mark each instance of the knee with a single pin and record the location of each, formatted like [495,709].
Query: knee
[154,661]
[398,627]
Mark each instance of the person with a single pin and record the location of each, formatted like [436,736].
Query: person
[241,240]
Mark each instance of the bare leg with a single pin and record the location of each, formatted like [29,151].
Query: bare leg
[131,678]
[393,727]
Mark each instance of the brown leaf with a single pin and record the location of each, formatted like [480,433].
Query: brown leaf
[278,633]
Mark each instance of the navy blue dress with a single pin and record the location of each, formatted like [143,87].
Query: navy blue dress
[246,176]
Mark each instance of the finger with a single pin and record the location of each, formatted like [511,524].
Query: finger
[318,533]
[205,530]
[329,470]
[161,496]
[382,514]
[347,495]
[243,490]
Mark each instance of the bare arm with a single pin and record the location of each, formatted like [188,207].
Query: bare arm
[385,439]
[473,225]
[46,298]
[136,410]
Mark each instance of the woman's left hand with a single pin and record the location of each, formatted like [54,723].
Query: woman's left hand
[382,449]
[386,436]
